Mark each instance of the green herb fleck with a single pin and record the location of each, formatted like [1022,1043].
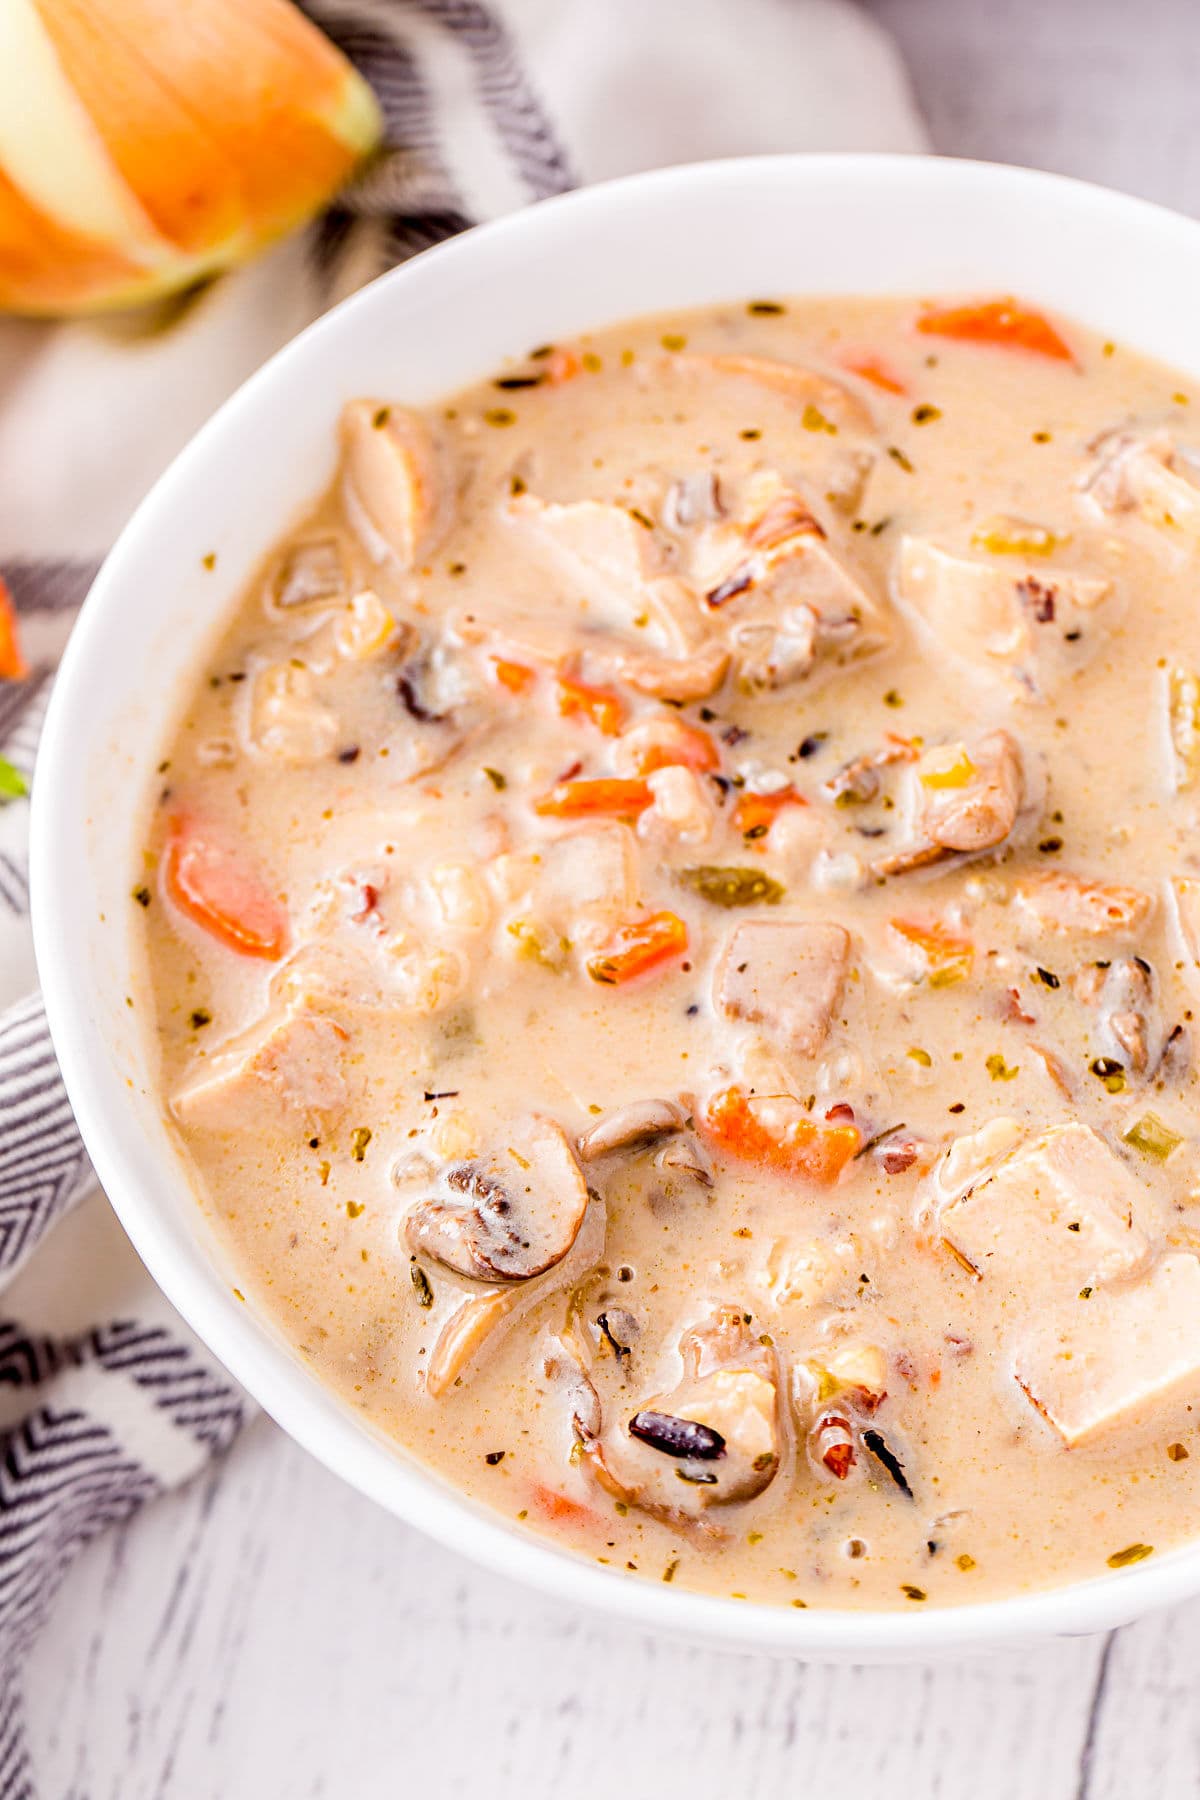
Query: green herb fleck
[1111,1073]
[355,1208]
[209,560]
[671,340]
[498,781]
[668,1573]
[813,419]
[200,1018]
[359,1140]
[913,1593]
[764,306]
[1177,1452]
[925,415]
[421,1287]
[897,455]
[142,896]
[1132,1553]
[731,886]
[499,415]
[381,417]
[999,1070]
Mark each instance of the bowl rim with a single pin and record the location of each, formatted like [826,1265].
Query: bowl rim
[307,1410]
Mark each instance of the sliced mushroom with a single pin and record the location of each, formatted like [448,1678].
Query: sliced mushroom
[1026,629]
[509,1215]
[393,492]
[639,1123]
[713,1439]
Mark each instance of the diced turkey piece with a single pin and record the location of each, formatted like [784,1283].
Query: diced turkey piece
[570,887]
[1059,1212]
[1027,631]
[291,1059]
[961,799]
[392,487]
[616,565]
[1115,1356]
[786,976]
[286,721]
[1151,477]
[1066,904]
[678,678]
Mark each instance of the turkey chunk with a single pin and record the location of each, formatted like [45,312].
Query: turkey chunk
[291,1059]
[390,481]
[961,799]
[1066,904]
[783,599]
[568,890]
[1026,631]
[1057,1213]
[785,976]
[616,564]
[1109,1357]
[1150,477]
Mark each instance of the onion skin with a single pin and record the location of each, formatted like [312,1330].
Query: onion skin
[148,144]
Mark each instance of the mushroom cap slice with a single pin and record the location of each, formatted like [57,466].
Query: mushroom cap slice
[637,1123]
[508,1215]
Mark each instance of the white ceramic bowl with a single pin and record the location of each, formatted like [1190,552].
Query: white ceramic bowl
[681,237]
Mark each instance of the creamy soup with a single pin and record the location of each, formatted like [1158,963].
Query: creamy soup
[672,917]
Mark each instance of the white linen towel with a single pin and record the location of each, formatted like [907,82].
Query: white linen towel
[105,1397]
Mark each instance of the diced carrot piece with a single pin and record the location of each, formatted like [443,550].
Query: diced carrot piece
[13,666]
[561,365]
[872,368]
[1003,322]
[207,881]
[603,706]
[670,744]
[635,949]
[609,796]
[559,1508]
[947,958]
[513,675]
[776,1131]
[755,814]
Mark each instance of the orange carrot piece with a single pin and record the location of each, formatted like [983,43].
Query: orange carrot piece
[607,796]
[947,958]
[679,746]
[207,881]
[755,814]
[603,706]
[635,949]
[872,368]
[13,666]
[559,1508]
[777,1132]
[561,365]
[513,675]
[1005,323]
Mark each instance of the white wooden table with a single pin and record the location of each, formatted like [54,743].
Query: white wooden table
[268,1635]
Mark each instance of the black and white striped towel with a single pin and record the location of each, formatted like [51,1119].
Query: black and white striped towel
[105,1398]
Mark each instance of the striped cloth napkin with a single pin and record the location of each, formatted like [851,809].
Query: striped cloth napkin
[105,1398]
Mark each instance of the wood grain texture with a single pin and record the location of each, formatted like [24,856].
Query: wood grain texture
[269,1635]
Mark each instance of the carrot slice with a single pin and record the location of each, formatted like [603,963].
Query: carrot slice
[603,706]
[872,368]
[559,1507]
[675,745]
[635,949]
[947,958]
[610,796]
[1002,322]
[13,666]
[207,882]
[777,1132]
[755,814]
[513,675]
